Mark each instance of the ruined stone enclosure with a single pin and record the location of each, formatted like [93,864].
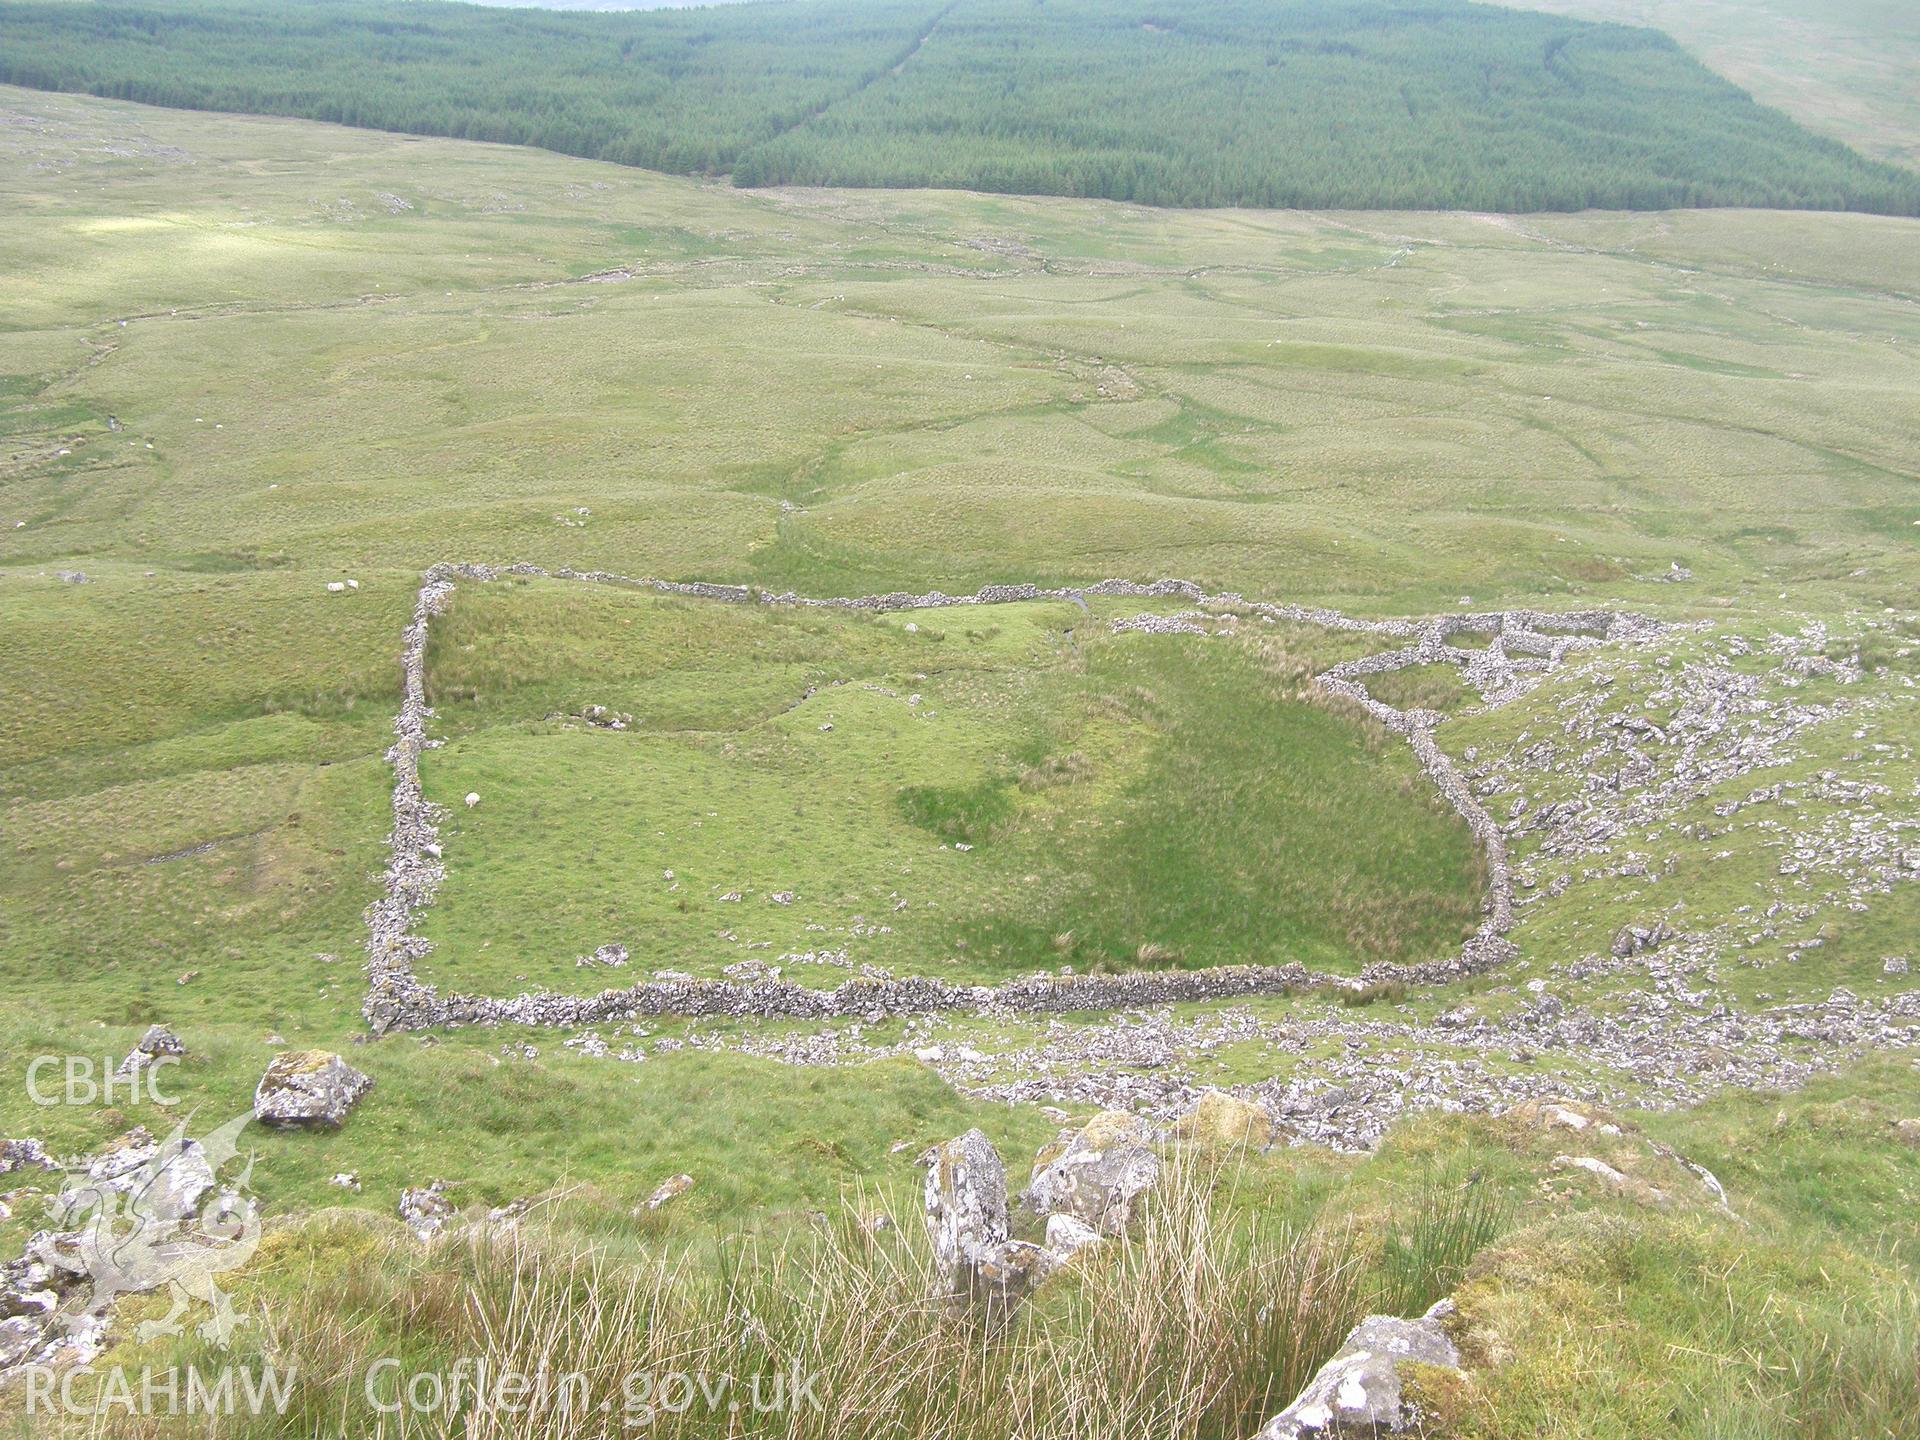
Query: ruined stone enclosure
[1511,649]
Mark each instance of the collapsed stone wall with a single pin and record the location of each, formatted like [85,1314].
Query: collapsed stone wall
[397,1000]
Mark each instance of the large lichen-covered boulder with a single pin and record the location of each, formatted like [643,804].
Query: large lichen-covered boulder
[966,1213]
[966,1202]
[1222,1120]
[1100,1174]
[308,1088]
[1360,1390]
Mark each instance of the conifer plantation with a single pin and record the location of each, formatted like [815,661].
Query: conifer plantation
[1391,104]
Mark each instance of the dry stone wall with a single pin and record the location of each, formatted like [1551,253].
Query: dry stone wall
[1523,644]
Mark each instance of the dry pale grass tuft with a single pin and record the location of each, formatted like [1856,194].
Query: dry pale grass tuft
[1199,1324]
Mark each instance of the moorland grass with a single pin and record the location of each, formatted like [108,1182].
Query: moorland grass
[1386,412]
[1580,1313]
[1306,416]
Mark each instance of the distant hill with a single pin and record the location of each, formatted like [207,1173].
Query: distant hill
[1402,104]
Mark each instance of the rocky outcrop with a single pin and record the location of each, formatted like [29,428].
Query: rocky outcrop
[141,1215]
[23,1155]
[171,1178]
[20,1337]
[308,1089]
[1000,1278]
[1639,939]
[1361,1391]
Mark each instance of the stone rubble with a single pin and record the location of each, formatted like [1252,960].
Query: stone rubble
[1668,1047]
[426,1209]
[158,1042]
[23,1155]
[138,1196]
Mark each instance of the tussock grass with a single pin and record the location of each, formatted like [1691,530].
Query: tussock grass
[1448,1224]
[1438,686]
[1199,1324]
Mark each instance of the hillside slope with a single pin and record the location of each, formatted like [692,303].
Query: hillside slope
[1317,104]
[1844,68]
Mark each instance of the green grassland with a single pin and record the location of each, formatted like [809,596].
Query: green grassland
[1378,411]
[574,364]
[1386,411]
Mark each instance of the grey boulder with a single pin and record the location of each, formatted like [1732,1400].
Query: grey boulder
[1099,1176]
[1359,1391]
[157,1043]
[966,1202]
[966,1214]
[20,1337]
[308,1089]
